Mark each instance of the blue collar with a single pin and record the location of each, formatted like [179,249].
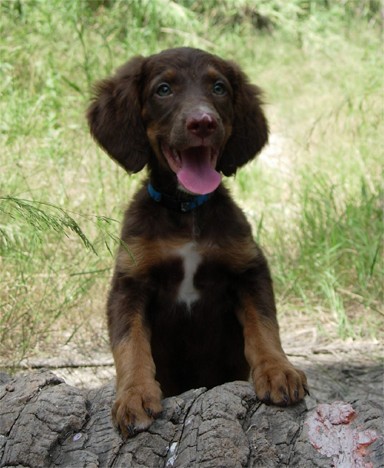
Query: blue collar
[173,203]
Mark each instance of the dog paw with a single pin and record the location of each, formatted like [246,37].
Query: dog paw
[136,407]
[279,383]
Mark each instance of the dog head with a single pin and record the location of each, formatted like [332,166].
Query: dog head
[182,111]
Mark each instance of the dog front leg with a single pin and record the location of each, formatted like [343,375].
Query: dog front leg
[138,394]
[275,379]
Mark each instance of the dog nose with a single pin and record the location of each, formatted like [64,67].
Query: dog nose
[201,124]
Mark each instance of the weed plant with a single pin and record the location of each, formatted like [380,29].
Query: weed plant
[313,197]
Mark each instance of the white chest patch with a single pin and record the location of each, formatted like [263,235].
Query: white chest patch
[191,260]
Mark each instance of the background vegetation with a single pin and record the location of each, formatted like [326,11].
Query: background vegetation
[313,197]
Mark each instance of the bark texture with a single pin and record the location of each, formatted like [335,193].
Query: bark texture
[46,423]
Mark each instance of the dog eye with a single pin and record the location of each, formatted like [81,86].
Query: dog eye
[219,88]
[164,90]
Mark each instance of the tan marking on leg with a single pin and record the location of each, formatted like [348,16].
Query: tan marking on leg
[274,377]
[138,395]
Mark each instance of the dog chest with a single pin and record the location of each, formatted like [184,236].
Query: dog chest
[182,271]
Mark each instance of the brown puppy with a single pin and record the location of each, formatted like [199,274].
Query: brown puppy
[191,302]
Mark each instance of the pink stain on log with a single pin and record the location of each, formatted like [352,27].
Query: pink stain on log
[331,433]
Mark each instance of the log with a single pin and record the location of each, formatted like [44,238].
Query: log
[45,422]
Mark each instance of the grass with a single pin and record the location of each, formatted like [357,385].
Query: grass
[337,261]
[313,198]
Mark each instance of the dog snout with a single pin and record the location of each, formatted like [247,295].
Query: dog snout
[201,124]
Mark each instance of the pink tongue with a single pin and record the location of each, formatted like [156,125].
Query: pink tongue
[196,173]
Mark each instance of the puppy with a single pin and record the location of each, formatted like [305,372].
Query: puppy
[191,302]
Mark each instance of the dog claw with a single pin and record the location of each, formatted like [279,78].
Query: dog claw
[131,430]
[151,413]
[266,398]
[285,400]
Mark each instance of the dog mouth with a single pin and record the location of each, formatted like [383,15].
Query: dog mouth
[195,167]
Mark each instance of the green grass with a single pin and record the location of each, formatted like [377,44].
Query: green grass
[314,198]
[335,263]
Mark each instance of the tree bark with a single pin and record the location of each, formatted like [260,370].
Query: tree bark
[46,423]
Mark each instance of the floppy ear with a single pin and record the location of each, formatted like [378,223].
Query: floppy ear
[114,117]
[250,127]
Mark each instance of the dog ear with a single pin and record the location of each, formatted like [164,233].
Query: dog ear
[250,126]
[114,117]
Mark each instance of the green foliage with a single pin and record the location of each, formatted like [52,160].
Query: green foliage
[314,201]
[39,217]
[338,246]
